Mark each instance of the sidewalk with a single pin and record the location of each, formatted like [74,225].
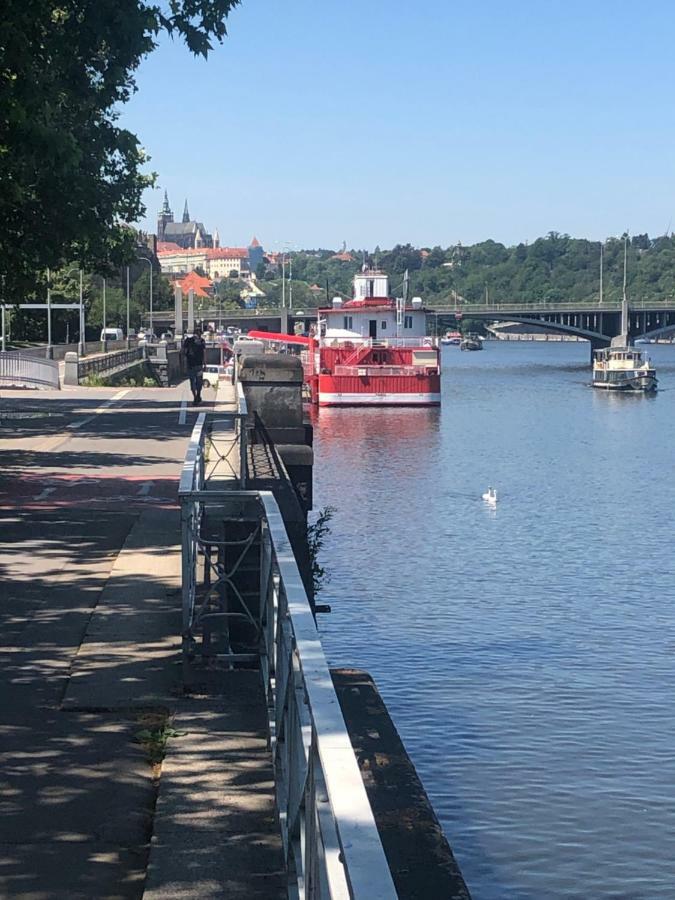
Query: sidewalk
[90,697]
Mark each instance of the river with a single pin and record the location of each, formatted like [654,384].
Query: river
[527,652]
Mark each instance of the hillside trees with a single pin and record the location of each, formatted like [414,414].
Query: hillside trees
[71,176]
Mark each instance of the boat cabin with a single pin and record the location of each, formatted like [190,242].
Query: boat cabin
[372,314]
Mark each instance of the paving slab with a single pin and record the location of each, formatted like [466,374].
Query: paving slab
[216,832]
[130,656]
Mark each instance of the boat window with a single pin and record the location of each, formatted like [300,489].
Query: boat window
[347,323]
[383,325]
[408,322]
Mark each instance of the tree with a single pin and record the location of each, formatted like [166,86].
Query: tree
[71,177]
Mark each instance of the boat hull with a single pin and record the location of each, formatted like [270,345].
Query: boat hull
[361,399]
[379,390]
[643,384]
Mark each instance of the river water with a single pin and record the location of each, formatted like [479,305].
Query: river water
[526,653]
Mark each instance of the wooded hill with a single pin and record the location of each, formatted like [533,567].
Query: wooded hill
[554,268]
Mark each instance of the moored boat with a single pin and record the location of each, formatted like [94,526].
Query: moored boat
[373,350]
[451,338]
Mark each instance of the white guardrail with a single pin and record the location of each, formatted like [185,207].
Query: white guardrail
[331,842]
[28,371]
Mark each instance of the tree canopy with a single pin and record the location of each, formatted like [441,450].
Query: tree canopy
[71,177]
[553,268]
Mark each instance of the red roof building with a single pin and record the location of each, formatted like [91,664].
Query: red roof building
[202,287]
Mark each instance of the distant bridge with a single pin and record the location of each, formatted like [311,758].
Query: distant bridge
[597,323]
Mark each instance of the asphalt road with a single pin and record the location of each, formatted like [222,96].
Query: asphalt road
[93,448]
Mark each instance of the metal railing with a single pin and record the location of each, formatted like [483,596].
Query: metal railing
[221,438]
[370,371]
[331,843]
[553,307]
[28,371]
[108,362]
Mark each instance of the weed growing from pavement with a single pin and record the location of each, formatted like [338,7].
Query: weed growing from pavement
[317,533]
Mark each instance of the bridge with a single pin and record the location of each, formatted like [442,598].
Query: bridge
[595,322]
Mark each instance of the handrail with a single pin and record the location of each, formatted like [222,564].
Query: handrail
[331,843]
[554,307]
[28,371]
[108,361]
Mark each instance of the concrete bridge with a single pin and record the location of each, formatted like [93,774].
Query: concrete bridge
[597,323]
[594,321]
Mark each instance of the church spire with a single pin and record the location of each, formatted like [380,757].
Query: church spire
[166,209]
[186,214]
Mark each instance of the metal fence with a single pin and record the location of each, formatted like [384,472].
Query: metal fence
[331,843]
[108,362]
[19,370]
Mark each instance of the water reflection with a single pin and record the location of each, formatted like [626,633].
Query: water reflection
[527,656]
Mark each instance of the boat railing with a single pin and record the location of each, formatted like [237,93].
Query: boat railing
[373,371]
[416,343]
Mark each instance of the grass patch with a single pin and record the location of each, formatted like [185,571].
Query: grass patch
[155,734]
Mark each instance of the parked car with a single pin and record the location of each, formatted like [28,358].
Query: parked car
[212,375]
[112,334]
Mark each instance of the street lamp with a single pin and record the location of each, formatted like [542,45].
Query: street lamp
[285,247]
[50,349]
[128,342]
[81,344]
[149,261]
[104,336]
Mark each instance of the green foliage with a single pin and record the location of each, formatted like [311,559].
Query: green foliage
[551,269]
[228,292]
[317,533]
[71,177]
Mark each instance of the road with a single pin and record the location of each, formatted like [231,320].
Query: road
[83,474]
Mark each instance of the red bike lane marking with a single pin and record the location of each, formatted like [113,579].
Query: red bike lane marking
[31,491]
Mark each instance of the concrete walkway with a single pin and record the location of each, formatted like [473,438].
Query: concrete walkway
[90,694]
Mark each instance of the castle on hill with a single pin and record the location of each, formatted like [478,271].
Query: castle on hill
[188,234]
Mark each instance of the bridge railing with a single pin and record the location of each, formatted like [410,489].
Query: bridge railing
[553,308]
[28,371]
[330,838]
[108,362]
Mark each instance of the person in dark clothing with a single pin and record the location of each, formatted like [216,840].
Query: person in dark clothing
[193,348]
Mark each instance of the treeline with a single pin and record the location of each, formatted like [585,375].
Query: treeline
[551,269]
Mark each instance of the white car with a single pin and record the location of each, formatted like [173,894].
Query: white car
[212,375]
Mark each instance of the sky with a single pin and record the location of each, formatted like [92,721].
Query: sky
[378,123]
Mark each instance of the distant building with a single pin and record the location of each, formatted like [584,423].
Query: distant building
[215,262]
[343,255]
[202,287]
[255,254]
[188,234]
[222,262]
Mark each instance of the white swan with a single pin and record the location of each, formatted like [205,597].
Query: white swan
[490,496]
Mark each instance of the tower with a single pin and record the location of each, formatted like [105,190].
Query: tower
[165,216]
[216,238]
[186,214]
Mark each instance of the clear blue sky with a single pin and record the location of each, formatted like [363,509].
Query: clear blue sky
[380,122]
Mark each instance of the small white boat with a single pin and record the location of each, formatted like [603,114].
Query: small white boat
[490,496]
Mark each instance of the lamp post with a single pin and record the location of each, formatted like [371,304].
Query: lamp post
[81,344]
[50,349]
[285,246]
[128,342]
[4,340]
[149,261]
[104,339]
